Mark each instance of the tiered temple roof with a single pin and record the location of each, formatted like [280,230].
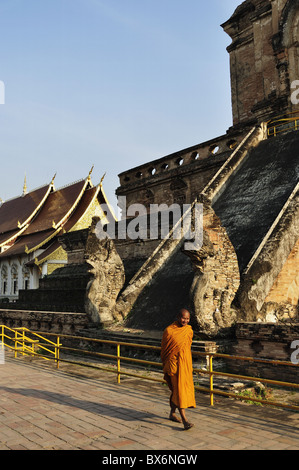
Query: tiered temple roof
[33,221]
[16,214]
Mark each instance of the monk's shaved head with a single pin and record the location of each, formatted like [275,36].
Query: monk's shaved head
[183,317]
[184,311]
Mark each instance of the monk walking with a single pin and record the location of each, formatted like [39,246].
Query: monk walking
[177,367]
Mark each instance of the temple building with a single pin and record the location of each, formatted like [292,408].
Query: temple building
[247,182]
[30,225]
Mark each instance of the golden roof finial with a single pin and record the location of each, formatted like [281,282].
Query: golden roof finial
[51,185]
[52,181]
[103,178]
[25,186]
[89,174]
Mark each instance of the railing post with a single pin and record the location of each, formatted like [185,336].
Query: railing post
[2,345]
[118,363]
[2,351]
[57,352]
[23,341]
[16,334]
[211,379]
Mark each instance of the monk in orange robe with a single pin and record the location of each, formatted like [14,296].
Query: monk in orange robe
[177,366]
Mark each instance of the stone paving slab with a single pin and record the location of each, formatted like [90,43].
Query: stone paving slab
[42,408]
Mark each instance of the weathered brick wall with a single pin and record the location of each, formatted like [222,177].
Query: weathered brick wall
[285,289]
[177,178]
[269,288]
[216,277]
[270,341]
[263,58]
[64,323]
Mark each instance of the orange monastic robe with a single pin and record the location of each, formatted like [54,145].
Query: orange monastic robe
[177,363]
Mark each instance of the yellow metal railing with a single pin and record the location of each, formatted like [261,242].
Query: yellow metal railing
[26,345]
[212,373]
[26,342]
[283,123]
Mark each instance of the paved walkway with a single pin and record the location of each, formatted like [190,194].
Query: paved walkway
[42,408]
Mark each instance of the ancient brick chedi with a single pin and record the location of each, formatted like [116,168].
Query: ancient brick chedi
[264,59]
[248,176]
[247,268]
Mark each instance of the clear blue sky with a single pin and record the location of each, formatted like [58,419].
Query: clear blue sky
[109,83]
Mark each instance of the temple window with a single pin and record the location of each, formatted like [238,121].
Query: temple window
[4,280]
[14,280]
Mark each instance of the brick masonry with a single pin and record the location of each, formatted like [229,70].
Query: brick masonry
[270,341]
[53,322]
[286,287]
[263,59]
